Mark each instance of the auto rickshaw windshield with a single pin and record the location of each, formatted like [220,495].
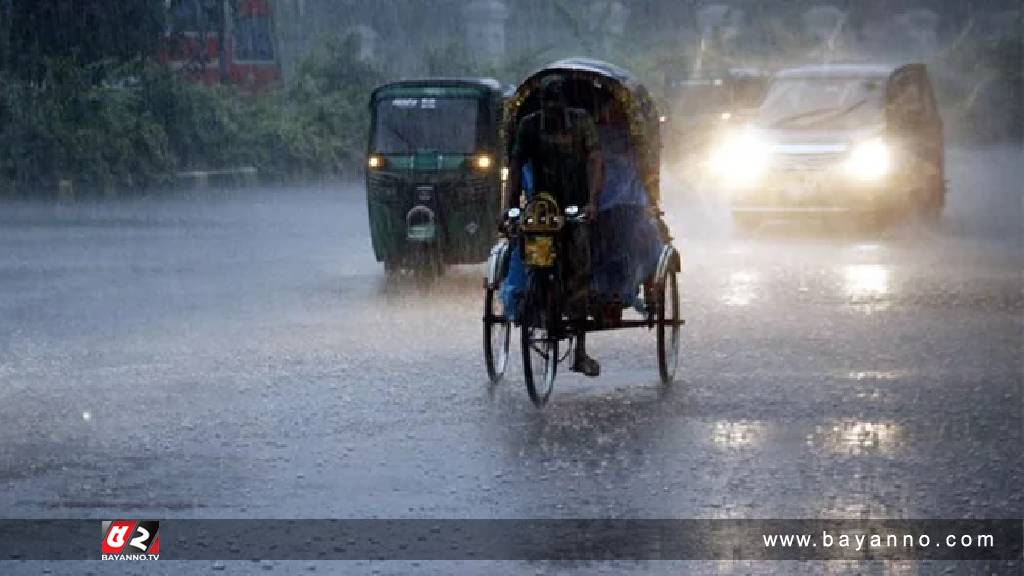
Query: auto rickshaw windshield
[822,103]
[409,125]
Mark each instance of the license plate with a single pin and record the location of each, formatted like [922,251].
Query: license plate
[424,193]
[540,251]
[421,233]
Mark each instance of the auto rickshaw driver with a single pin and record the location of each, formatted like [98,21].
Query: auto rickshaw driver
[561,146]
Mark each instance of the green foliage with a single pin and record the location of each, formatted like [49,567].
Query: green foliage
[137,125]
[448,59]
[210,127]
[324,129]
[102,135]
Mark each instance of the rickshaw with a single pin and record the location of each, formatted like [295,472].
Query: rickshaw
[634,264]
[432,182]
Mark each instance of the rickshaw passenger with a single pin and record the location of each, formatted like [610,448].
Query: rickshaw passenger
[626,242]
[561,145]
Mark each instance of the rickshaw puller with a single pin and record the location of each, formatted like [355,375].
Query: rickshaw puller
[561,145]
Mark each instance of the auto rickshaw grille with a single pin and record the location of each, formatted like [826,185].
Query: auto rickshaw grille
[383,187]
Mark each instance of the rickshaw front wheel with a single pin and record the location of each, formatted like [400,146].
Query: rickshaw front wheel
[497,335]
[668,327]
[539,342]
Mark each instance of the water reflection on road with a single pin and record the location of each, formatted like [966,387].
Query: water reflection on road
[867,286]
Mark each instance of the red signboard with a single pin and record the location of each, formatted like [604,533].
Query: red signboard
[192,42]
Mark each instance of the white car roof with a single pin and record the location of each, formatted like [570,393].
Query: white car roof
[838,71]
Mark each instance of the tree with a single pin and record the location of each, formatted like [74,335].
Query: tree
[34,33]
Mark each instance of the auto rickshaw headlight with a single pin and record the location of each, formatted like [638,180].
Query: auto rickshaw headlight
[741,158]
[483,162]
[869,160]
[374,162]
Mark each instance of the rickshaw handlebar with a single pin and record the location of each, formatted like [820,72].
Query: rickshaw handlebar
[572,215]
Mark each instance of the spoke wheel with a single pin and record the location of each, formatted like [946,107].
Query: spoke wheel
[497,334]
[540,352]
[668,328]
[539,344]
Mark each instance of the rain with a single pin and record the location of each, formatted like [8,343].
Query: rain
[244,261]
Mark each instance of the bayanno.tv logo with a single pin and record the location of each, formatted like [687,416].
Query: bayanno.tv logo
[130,540]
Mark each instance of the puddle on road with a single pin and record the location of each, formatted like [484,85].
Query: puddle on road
[860,375]
[741,289]
[858,437]
[737,434]
[873,385]
[860,498]
[867,287]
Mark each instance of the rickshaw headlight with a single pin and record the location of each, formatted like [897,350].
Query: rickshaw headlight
[483,162]
[869,160]
[741,158]
[374,162]
[512,213]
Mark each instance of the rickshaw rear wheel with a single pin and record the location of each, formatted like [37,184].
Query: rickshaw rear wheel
[668,327]
[540,315]
[497,335]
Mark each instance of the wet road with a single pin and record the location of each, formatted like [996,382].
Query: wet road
[236,355]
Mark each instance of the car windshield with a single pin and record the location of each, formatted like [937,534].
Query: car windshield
[822,103]
[701,98]
[410,125]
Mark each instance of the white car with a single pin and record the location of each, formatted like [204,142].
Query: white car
[837,139]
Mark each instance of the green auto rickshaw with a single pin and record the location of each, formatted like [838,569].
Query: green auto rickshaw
[433,183]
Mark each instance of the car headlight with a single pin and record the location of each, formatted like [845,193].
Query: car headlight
[869,160]
[741,158]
